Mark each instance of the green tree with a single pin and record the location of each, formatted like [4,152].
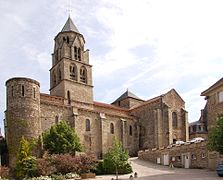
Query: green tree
[61,139]
[215,137]
[25,163]
[116,159]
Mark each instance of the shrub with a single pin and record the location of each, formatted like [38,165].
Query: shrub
[4,172]
[61,139]
[65,163]
[26,167]
[45,167]
[99,169]
[26,163]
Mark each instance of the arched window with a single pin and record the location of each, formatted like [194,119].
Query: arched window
[112,130]
[75,52]
[68,97]
[130,130]
[79,54]
[83,75]
[23,91]
[73,72]
[88,125]
[174,120]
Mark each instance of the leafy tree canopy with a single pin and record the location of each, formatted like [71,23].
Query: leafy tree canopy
[215,137]
[61,139]
[116,159]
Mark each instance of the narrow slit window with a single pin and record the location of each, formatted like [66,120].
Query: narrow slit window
[12,91]
[112,128]
[130,130]
[68,97]
[34,92]
[88,125]
[75,52]
[23,91]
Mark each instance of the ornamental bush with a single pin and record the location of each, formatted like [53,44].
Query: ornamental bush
[61,139]
[25,163]
[4,172]
[65,163]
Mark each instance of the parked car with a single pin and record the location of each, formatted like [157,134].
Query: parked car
[197,139]
[180,142]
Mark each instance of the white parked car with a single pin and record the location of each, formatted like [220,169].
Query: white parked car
[197,139]
[180,142]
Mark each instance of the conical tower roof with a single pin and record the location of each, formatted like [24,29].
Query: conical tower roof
[69,26]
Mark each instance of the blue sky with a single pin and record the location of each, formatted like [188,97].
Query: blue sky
[147,46]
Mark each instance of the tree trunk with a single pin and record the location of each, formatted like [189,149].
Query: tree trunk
[116,171]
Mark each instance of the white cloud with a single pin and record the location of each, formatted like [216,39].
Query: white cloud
[183,41]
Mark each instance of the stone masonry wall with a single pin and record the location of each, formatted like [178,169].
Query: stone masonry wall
[197,153]
[22,114]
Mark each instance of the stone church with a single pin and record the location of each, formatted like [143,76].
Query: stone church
[138,124]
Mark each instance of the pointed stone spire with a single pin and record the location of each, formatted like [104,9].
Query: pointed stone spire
[69,26]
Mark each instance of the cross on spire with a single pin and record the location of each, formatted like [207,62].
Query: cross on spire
[69,8]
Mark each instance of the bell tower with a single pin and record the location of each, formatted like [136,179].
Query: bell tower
[71,73]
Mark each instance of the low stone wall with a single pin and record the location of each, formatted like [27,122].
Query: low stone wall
[196,155]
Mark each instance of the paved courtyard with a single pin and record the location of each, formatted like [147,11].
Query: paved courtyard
[150,171]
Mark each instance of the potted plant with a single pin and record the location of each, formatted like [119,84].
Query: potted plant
[87,163]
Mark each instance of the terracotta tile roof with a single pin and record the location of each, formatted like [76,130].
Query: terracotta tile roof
[109,106]
[147,102]
[53,99]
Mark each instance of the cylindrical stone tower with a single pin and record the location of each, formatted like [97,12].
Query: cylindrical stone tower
[22,114]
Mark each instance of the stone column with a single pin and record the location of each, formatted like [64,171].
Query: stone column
[170,126]
[159,128]
[104,133]
[123,133]
[186,126]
